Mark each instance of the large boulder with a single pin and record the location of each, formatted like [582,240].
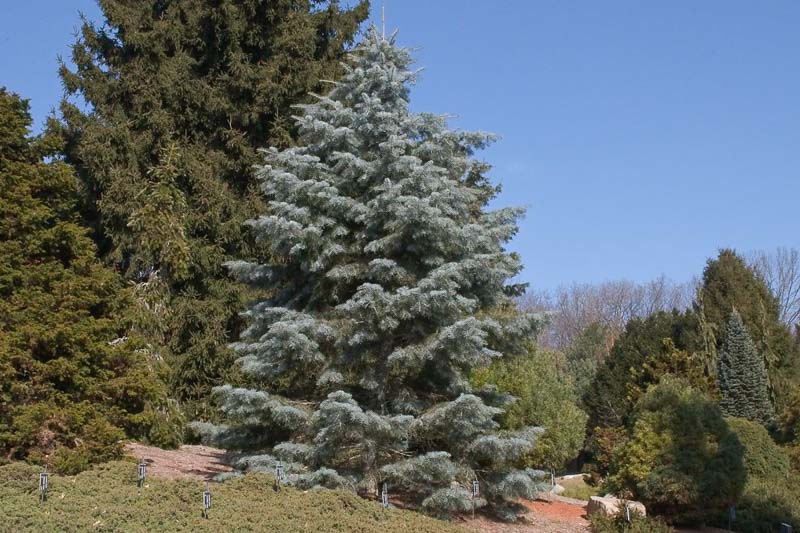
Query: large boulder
[610,506]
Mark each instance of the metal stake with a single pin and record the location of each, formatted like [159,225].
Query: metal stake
[43,484]
[280,476]
[142,473]
[206,501]
[476,488]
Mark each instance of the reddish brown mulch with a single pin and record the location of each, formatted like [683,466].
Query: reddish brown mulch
[187,462]
[544,516]
[204,462]
[559,510]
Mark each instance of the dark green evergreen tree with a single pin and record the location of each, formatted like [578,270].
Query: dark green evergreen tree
[729,283]
[649,348]
[586,354]
[180,94]
[743,382]
[73,382]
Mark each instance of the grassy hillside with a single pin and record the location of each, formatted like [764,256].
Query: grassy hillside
[106,499]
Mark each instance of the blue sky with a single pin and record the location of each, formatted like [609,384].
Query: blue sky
[641,136]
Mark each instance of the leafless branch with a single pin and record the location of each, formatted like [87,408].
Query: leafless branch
[780,269]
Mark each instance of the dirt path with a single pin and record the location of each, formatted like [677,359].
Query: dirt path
[204,462]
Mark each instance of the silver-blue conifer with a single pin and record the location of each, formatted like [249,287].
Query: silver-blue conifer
[388,283]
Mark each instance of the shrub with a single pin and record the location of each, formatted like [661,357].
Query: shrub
[794,457]
[578,488]
[546,397]
[763,458]
[770,497]
[765,505]
[164,426]
[620,524]
[789,419]
[681,460]
[604,444]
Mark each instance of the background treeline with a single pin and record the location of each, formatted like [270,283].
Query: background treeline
[691,391]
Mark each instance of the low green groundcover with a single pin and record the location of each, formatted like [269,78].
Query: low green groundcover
[106,498]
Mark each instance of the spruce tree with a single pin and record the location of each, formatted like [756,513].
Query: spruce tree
[166,107]
[73,382]
[389,284]
[728,283]
[743,382]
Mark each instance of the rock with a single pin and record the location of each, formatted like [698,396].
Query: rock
[602,505]
[609,506]
[557,489]
[636,507]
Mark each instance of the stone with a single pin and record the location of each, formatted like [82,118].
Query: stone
[557,489]
[610,506]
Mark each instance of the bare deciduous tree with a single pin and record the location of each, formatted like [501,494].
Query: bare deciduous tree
[780,269]
[573,308]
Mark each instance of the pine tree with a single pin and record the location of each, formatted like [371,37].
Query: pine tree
[743,382]
[387,289]
[178,95]
[72,381]
[728,283]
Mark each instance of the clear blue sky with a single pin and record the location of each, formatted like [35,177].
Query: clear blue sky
[642,136]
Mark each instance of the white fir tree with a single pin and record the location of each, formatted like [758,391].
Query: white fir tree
[389,283]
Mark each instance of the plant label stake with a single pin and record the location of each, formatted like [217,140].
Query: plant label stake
[280,476]
[385,497]
[43,483]
[627,512]
[142,473]
[731,516]
[476,489]
[206,501]
[552,479]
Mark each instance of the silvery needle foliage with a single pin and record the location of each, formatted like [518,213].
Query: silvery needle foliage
[390,283]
